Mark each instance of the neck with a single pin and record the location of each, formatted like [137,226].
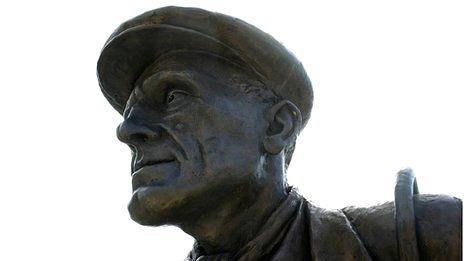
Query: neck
[231,226]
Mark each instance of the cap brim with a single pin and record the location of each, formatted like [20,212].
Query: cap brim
[127,55]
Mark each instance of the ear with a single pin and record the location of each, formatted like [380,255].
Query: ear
[284,126]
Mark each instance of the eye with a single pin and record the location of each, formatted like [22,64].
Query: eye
[171,97]
[175,96]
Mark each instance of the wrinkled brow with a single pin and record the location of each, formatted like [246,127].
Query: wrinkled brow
[154,88]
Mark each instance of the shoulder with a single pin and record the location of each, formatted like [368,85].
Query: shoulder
[413,226]
[439,225]
[376,228]
[332,236]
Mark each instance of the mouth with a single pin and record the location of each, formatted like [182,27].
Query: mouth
[138,166]
[154,173]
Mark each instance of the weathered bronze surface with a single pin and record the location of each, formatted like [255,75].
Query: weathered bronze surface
[212,108]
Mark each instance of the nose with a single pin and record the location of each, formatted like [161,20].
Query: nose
[133,133]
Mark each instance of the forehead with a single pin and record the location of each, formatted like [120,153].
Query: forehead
[197,66]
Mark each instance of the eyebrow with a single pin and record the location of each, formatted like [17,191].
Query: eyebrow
[162,81]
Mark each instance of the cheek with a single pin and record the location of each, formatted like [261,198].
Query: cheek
[218,141]
[231,142]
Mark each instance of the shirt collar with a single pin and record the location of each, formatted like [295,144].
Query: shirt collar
[266,240]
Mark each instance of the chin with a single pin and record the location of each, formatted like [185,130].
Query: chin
[147,210]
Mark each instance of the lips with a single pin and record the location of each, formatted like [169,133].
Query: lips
[141,164]
[154,172]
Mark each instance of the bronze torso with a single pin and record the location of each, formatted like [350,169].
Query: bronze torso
[299,230]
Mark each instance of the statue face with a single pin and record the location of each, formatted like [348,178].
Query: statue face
[196,138]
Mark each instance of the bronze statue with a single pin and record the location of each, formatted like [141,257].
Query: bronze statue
[212,108]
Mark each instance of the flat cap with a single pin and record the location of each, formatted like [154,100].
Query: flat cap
[137,43]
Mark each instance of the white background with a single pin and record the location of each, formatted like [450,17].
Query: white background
[388,79]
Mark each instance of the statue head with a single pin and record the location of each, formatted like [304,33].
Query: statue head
[212,108]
